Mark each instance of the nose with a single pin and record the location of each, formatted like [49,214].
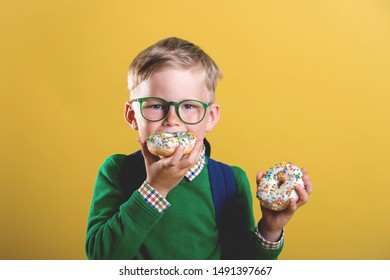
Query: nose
[171,118]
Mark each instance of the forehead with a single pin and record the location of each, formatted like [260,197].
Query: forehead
[174,85]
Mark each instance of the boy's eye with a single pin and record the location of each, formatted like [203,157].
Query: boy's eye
[190,106]
[154,106]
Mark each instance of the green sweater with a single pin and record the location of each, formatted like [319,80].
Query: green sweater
[121,227]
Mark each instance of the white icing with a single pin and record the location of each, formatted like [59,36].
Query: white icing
[170,140]
[278,186]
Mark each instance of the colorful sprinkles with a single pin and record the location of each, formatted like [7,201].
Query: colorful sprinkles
[170,140]
[278,185]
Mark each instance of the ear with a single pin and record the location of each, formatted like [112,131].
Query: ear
[213,116]
[129,116]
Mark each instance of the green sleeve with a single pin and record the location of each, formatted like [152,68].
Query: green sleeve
[250,245]
[117,225]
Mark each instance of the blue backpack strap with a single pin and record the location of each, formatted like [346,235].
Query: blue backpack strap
[223,186]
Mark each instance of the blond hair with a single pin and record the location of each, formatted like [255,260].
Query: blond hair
[172,53]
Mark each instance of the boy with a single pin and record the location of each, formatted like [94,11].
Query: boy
[171,215]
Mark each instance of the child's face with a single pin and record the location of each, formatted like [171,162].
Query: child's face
[173,85]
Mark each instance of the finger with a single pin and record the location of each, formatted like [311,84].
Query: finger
[176,157]
[194,155]
[293,206]
[303,195]
[149,157]
[308,184]
[307,181]
[304,173]
[259,175]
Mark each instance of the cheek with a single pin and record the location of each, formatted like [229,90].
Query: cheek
[146,128]
[199,131]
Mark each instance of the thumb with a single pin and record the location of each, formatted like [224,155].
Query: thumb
[259,175]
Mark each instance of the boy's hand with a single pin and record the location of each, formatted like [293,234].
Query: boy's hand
[163,174]
[272,222]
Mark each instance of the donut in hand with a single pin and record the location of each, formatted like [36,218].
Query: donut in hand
[164,144]
[277,186]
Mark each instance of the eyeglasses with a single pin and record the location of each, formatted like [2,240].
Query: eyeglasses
[155,109]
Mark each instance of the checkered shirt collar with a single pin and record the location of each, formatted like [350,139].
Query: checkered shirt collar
[198,166]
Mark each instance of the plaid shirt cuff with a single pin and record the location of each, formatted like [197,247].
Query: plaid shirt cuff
[268,244]
[152,197]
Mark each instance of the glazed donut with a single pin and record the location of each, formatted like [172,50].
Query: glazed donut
[165,143]
[277,186]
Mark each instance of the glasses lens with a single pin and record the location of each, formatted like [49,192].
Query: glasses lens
[191,111]
[154,109]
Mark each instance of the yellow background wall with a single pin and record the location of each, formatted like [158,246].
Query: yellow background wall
[304,81]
